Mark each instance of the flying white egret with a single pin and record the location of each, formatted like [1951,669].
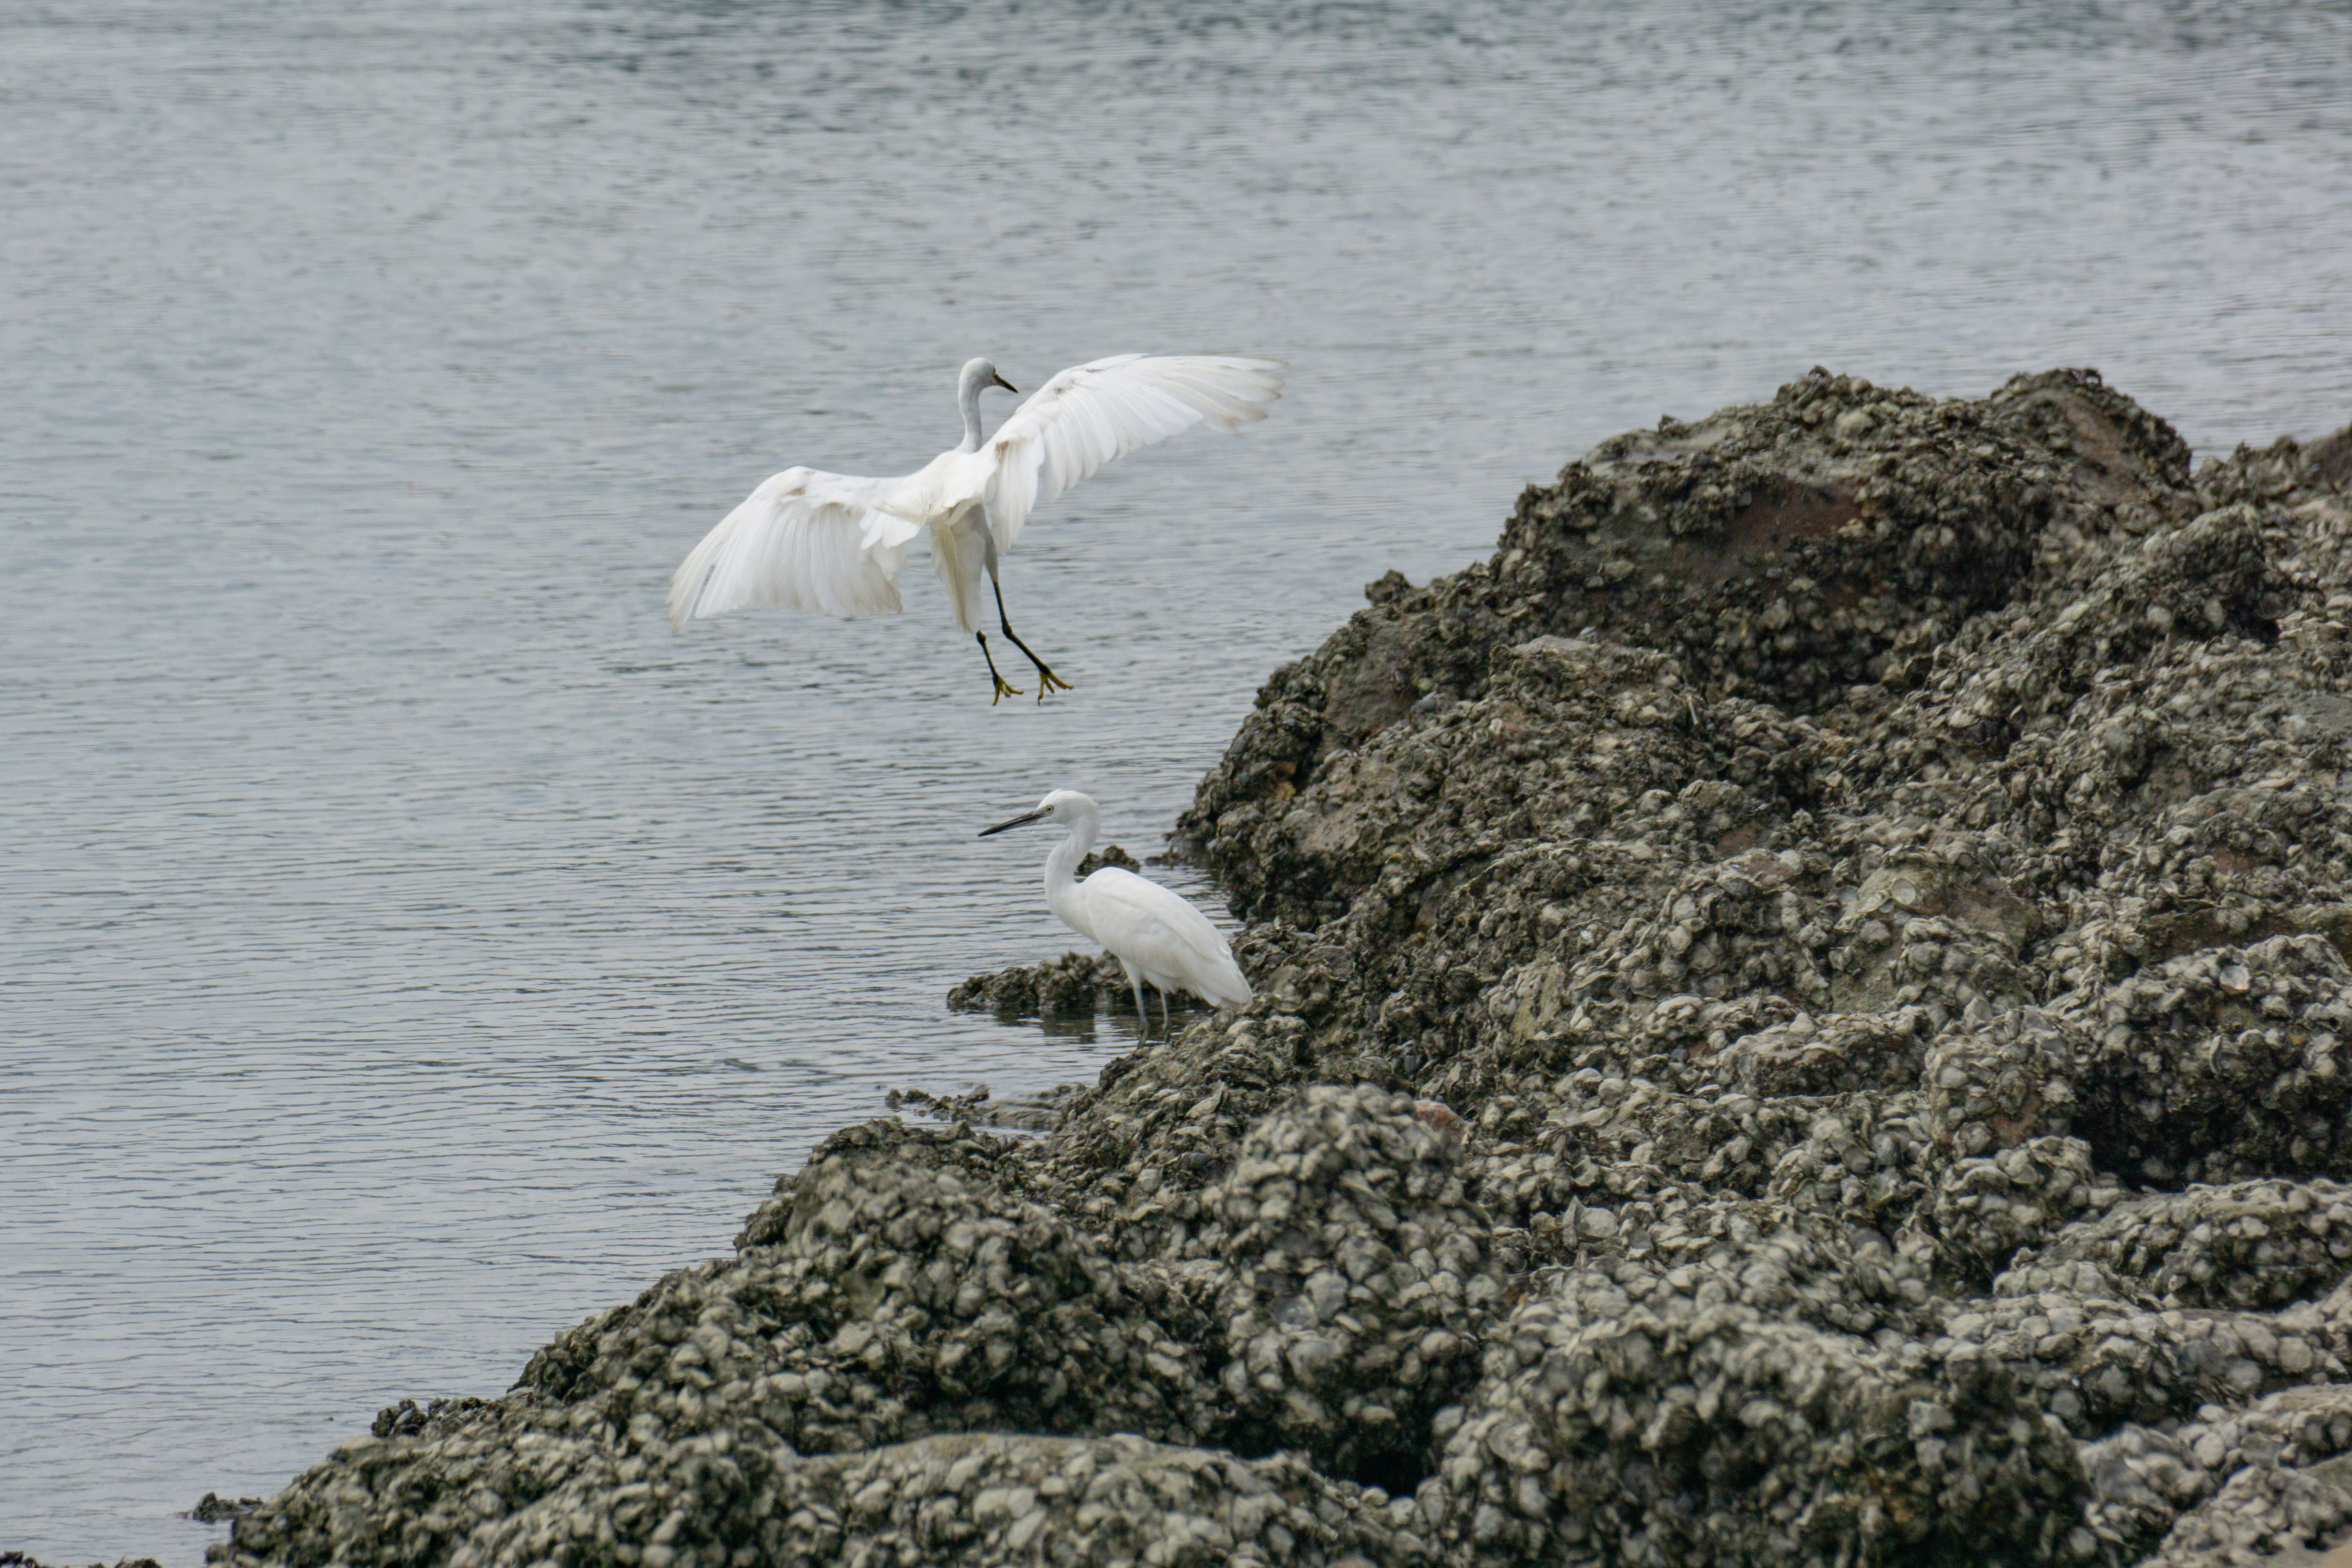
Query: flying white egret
[811,541]
[1153,933]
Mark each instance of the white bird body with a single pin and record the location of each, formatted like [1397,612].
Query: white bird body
[806,540]
[1154,934]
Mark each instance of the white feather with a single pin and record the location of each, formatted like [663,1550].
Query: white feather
[811,541]
[803,541]
[1096,412]
[1156,934]
[1173,943]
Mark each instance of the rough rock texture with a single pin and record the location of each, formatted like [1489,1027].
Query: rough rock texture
[975,1497]
[897,1292]
[1800,1021]
[1075,986]
[1355,1281]
[2265,1483]
[2254,1245]
[1075,983]
[213,1508]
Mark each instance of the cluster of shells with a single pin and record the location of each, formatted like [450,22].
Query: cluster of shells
[1801,1020]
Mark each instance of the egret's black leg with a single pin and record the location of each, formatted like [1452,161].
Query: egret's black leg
[1164,1033]
[1046,680]
[1003,688]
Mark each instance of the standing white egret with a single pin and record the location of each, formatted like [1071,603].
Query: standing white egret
[1153,933]
[811,541]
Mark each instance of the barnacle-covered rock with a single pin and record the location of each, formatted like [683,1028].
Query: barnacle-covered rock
[1075,983]
[1017,1499]
[2263,1514]
[1754,922]
[1583,729]
[417,1488]
[2141,1480]
[2268,1483]
[2095,1362]
[1838,934]
[1727,1141]
[2223,1064]
[1933,924]
[979,1498]
[1987,1207]
[1840,1054]
[1759,1402]
[2253,1246]
[1133,1155]
[1784,550]
[1355,1278]
[1863,1161]
[1993,1085]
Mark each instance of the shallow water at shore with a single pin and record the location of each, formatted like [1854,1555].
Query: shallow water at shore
[408,946]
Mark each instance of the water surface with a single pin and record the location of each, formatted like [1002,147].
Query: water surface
[408,946]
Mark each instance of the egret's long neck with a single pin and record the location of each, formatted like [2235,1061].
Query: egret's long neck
[1061,876]
[968,397]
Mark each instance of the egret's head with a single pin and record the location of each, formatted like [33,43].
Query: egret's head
[1061,805]
[977,376]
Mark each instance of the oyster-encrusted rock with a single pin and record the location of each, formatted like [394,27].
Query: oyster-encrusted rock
[1357,1281]
[2256,1245]
[1749,1405]
[1996,1084]
[1785,551]
[469,1491]
[2267,1483]
[1800,1019]
[1987,1207]
[1075,983]
[2223,1064]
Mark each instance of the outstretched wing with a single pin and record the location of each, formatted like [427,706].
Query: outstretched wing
[1093,413]
[804,540]
[1161,933]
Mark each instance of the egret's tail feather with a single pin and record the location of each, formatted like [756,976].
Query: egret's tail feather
[1232,983]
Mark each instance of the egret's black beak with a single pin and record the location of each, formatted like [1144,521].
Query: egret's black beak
[1025,816]
[1015,391]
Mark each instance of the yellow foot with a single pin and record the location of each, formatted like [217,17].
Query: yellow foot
[1048,682]
[1003,688]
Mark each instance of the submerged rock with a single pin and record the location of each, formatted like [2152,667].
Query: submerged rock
[1075,983]
[1801,1020]
[215,1508]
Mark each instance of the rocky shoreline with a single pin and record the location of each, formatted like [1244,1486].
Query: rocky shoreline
[1801,1020]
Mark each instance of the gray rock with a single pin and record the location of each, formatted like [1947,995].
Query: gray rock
[2222,1064]
[1757,1400]
[2253,1245]
[1834,939]
[1355,1278]
[2266,1484]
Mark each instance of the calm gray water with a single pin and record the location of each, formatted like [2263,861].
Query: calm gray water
[407,946]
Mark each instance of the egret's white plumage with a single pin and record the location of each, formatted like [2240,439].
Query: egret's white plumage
[1154,934]
[811,541]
